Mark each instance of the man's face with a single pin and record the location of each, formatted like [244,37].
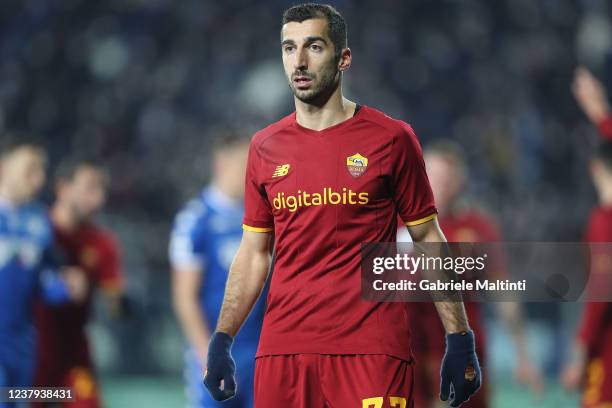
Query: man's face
[309,59]
[445,177]
[24,172]
[230,168]
[85,193]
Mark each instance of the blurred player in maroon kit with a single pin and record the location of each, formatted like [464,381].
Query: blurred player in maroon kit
[460,222]
[64,358]
[591,363]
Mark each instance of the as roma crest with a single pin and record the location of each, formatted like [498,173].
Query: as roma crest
[356,164]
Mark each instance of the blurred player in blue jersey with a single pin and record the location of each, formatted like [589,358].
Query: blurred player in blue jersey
[205,238]
[27,269]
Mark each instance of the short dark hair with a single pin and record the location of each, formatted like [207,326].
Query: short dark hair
[450,150]
[603,153]
[228,138]
[11,142]
[68,167]
[336,25]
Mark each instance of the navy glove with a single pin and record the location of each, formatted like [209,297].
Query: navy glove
[220,366]
[460,373]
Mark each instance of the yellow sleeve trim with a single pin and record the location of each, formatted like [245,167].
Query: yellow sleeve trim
[421,220]
[255,229]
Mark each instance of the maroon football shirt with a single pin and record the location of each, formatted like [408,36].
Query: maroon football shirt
[596,327]
[595,331]
[323,193]
[63,350]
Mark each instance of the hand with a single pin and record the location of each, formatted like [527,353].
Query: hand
[220,367]
[528,374]
[202,354]
[460,372]
[76,282]
[590,95]
[573,375]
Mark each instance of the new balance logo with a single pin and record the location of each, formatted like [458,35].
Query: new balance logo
[281,170]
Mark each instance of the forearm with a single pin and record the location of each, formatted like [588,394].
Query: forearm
[453,317]
[193,323]
[510,313]
[245,282]
[452,313]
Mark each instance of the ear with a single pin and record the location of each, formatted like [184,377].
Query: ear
[345,59]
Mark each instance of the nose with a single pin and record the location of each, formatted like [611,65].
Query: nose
[302,60]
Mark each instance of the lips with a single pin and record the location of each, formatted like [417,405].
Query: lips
[302,81]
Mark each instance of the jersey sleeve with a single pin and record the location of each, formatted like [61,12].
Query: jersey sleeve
[257,211]
[185,240]
[411,190]
[52,288]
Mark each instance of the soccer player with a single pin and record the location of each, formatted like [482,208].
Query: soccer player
[204,240]
[460,222]
[320,182]
[591,364]
[27,267]
[64,358]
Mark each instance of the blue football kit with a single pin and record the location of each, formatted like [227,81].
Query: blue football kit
[205,237]
[27,271]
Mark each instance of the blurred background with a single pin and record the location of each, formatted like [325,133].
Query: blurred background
[144,85]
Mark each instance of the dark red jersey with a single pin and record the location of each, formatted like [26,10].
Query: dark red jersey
[596,326]
[63,352]
[595,331]
[323,193]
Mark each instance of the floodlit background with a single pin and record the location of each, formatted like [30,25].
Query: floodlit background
[144,84]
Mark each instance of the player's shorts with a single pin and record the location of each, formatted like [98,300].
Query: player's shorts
[15,372]
[80,379]
[428,349]
[197,394]
[333,381]
[598,387]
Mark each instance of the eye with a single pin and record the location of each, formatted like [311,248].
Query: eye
[288,48]
[315,47]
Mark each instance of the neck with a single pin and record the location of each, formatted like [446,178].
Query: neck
[333,110]
[219,185]
[63,218]
[7,194]
[605,197]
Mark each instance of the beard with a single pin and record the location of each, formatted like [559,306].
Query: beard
[323,85]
